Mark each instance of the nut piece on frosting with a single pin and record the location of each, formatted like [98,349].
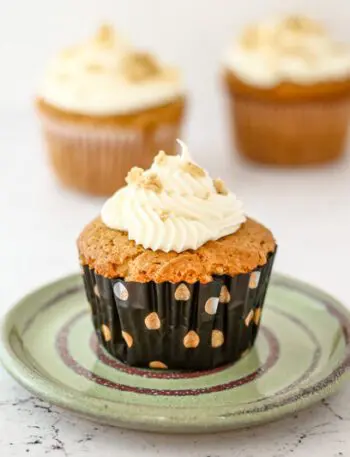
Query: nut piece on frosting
[140,66]
[150,181]
[105,34]
[302,24]
[193,169]
[134,176]
[250,37]
[163,214]
[220,186]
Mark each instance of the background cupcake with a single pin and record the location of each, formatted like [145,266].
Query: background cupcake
[175,274]
[289,84]
[105,107]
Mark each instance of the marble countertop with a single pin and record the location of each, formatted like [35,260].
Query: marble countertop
[309,212]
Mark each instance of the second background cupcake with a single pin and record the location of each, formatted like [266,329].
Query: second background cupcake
[288,84]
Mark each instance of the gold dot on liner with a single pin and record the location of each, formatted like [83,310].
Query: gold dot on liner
[211,305]
[121,291]
[129,340]
[225,296]
[257,316]
[96,291]
[152,321]
[217,338]
[158,364]
[191,340]
[254,280]
[106,333]
[249,318]
[182,292]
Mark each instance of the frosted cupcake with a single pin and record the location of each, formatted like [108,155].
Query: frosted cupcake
[289,84]
[106,107]
[175,273]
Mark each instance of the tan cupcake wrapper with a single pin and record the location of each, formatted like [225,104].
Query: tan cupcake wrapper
[95,159]
[298,133]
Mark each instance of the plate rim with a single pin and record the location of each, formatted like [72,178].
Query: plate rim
[143,417]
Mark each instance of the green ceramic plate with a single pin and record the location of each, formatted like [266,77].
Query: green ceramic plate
[301,354]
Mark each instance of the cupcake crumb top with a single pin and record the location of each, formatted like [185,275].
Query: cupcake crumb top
[110,253]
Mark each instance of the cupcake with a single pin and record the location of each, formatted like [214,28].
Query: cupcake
[288,83]
[105,107]
[174,272]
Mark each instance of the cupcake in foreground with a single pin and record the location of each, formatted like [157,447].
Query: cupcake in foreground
[175,273]
[289,84]
[105,107]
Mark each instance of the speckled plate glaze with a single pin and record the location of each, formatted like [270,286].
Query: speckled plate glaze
[301,354]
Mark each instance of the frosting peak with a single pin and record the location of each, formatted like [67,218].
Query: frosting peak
[106,76]
[173,206]
[294,48]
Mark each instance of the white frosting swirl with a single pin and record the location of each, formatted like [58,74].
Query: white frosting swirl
[105,76]
[183,209]
[294,49]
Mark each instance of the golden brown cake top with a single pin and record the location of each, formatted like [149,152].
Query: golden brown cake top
[168,113]
[111,254]
[288,91]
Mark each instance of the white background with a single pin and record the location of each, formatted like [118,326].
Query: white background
[308,210]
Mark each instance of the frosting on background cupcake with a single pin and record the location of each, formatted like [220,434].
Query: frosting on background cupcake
[173,206]
[295,49]
[106,76]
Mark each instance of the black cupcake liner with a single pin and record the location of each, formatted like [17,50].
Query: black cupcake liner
[178,326]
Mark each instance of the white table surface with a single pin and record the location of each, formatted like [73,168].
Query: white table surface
[309,212]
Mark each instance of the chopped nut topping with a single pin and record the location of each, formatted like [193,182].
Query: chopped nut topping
[220,186]
[94,67]
[134,176]
[151,182]
[105,34]
[193,169]
[302,24]
[160,158]
[140,66]
[163,214]
[250,37]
